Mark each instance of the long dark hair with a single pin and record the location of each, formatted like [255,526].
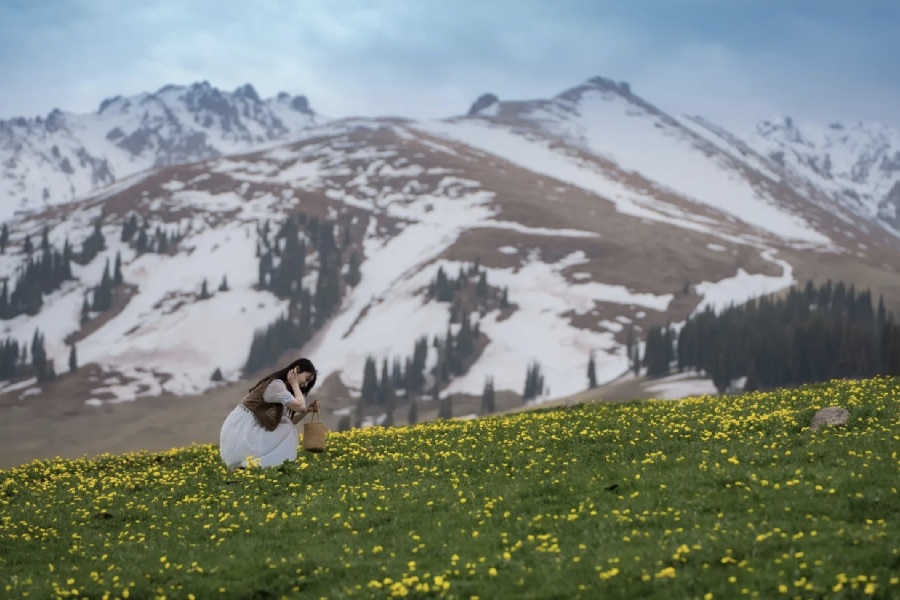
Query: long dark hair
[305,365]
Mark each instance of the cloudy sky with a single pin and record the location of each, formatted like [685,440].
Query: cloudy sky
[732,61]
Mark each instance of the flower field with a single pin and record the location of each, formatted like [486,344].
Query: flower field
[709,497]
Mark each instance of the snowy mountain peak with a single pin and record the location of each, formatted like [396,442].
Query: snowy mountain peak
[606,84]
[46,161]
[247,91]
[857,163]
[483,104]
[781,127]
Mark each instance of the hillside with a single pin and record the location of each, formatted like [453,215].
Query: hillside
[591,217]
[704,497]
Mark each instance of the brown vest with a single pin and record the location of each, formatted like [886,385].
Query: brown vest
[268,414]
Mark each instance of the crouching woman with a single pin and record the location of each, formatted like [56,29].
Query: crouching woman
[260,430]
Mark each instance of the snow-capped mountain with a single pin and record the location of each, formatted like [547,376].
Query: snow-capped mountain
[595,211]
[857,164]
[60,157]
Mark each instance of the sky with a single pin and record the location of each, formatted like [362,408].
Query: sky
[734,62]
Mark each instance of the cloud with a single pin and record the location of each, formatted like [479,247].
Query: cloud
[733,63]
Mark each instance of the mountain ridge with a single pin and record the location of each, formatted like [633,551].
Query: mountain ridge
[63,156]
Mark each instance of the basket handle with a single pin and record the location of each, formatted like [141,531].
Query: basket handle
[314,417]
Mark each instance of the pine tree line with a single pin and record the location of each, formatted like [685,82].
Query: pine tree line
[45,268]
[404,377]
[10,359]
[469,289]
[534,382]
[103,292]
[407,378]
[92,245]
[809,335]
[14,360]
[40,274]
[659,351]
[141,237]
[284,256]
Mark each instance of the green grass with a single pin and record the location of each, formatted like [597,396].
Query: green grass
[711,497]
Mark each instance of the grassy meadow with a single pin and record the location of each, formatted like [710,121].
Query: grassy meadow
[708,497]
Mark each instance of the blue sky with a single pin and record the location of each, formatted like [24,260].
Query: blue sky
[732,61]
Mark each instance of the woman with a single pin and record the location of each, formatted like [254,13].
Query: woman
[259,430]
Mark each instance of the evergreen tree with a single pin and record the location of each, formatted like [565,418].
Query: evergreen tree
[217,375]
[204,292]
[93,244]
[103,291]
[39,357]
[117,273]
[385,389]
[592,372]
[658,351]
[4,238]
[73,360]
[488,403]
[481,287]
[369,390]
[445,408]
[413,416]
[360,412]
[442,291]
[223,287]
[129,228]
[390,405]
[353,273]
[465,340]
[9,358]
[751,384]
[141,244]
[85,311]
[162,241]
[534,382]
[436,390]
[27,247]
[50,373]
[397,375]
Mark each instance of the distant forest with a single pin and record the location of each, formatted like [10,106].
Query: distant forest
[808,335]
[284,256]
[467,293]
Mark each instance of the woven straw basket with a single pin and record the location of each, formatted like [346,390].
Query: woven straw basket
[314,434]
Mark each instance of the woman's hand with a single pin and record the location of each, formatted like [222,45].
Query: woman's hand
[313,407]
[293,377]
[296,378]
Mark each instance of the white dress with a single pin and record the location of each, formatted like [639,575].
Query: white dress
[243,438]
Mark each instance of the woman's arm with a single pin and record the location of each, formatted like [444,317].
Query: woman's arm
[299,413]
[298,404]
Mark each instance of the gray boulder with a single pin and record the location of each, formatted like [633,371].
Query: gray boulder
[831,416]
